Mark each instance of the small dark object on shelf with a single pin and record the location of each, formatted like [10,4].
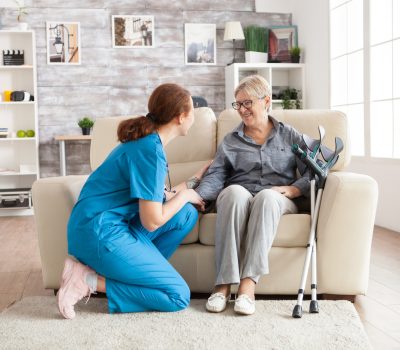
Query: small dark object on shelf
[199,101]
[17,96]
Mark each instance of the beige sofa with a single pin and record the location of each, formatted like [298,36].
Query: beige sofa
[345,224]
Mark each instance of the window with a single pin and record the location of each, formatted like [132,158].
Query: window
[365,81]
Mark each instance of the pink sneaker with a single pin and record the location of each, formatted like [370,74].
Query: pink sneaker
[73,287]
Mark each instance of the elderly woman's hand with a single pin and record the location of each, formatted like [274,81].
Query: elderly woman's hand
[200,173]
[288,191]
[193,197]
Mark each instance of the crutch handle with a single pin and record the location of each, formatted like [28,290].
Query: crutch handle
[310,162]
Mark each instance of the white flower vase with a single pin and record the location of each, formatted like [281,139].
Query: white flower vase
[256,57]
[23,26]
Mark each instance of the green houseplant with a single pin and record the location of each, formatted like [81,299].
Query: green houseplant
[295,54]
[290,99]
[86,125]
[256,44]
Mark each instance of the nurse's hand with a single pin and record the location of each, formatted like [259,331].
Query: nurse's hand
[193,197]
[169,194]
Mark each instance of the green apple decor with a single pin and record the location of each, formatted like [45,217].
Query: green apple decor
[25,133]
[30,133]
[21,133]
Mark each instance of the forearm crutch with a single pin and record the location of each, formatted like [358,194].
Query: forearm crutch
[314,303]
[319,171]
[311,255]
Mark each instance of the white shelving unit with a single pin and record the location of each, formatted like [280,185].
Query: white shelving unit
[290,75]
[19,157]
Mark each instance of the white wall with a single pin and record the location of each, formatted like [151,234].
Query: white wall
[313,35]
[274,6]
[312,19]
[387,174]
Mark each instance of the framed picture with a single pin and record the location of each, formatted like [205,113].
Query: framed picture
[63,43]
[281,40]
[133,31]
[200,40]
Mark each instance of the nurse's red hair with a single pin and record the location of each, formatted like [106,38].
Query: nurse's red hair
[165,103]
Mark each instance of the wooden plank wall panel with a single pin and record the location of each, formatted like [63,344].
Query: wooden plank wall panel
[118,81]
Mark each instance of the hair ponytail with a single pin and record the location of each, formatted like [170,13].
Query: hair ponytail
[135,128]
[165,103]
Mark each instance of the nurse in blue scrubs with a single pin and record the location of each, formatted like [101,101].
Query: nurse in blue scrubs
[126,225]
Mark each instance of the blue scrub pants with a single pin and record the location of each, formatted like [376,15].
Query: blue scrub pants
[135,263]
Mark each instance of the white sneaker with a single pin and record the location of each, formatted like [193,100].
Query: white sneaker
[217,302]
[244,305]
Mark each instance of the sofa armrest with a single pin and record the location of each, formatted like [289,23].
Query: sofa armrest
[345,228]
[53,200]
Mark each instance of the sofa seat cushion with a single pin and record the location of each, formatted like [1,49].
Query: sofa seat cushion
[74,186]
[293,230]
[193,235]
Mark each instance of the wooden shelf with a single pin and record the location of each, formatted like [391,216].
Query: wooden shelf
[17,138]
[16,173]
[15,31]
[19,153]
[280,101]
[16,67]
[277,74]
[18,103]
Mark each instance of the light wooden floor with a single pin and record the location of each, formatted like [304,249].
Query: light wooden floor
[20,276]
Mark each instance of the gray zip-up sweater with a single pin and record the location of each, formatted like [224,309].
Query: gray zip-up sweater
[239,160]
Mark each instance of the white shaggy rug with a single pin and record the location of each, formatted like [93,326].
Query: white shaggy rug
[34,323]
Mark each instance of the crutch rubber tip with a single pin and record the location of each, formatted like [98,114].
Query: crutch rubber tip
[297,311]
[314,307]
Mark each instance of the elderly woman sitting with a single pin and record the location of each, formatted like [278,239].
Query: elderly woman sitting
[254,177]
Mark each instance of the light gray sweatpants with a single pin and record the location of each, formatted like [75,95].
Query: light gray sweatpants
[245,229]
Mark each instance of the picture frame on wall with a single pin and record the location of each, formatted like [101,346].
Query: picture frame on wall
[281,40]
[63,43]
[132,31]
[200,44]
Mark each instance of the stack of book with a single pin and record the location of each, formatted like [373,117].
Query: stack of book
[3,132]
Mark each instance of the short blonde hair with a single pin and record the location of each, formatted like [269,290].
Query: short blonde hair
[254,85]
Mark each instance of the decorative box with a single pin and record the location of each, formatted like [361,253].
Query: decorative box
[13,57]
[16,198]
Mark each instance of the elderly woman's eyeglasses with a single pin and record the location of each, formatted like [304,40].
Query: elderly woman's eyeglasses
[246,104]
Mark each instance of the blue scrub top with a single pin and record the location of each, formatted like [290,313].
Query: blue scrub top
[134,170]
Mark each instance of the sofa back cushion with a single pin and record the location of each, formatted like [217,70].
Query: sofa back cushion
[104,139]
[197,147]
[305,121]
[186,154]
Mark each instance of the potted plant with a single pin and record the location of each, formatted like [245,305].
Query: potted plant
[290,99]
[286,102]
[86,124]
[295,54]
[21,12]
[256,44]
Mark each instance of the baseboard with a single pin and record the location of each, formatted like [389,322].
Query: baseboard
[204,296]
